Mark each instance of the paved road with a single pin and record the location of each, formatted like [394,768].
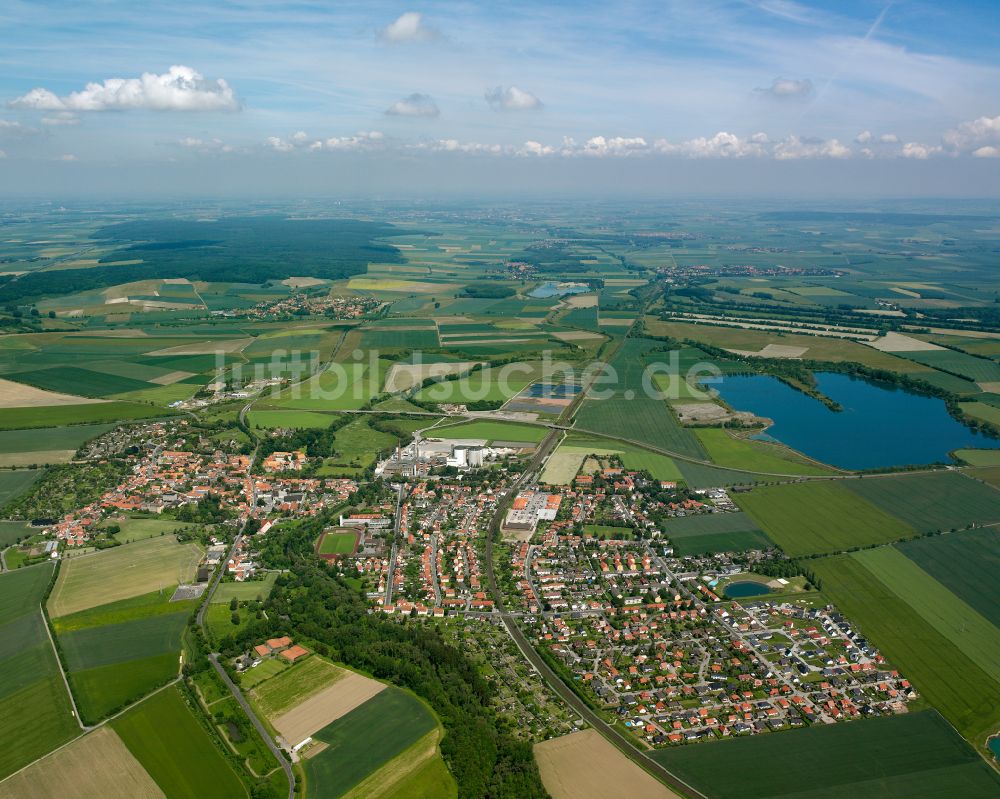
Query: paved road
[275,749]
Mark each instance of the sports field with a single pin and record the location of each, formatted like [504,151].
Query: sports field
[175,750]
[931,502]
[966,563]
[122,572]
[810,518]
[967,695]
[70,773]
[916,755]
[337,543]
[365,739]
[583,765]
[715,532]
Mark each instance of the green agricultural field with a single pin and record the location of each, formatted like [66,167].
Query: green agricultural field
[102,690]
[155,603]
[490,431]
[757,456]
[74,380]
[715,532]
[337,544]
[979,457]
[698,475]
[487,384]
[811,518]
[33,700]
[49,438]
[964,693]
[341,387]
[12,532]
[105,645]
[245,591]
[15,483]
[364,739]
[963,626]
[400,339]
[141,528]
[269,420]
[966,563]
[917,756]
[122,572]
[219,620]
[93,413]
[979,370]
[981,410]
[175,749]
[931,502]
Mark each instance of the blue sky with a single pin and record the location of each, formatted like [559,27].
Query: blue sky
[735,96]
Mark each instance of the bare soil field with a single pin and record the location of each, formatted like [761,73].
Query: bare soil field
[582,765]
[206,347]
[577,335]
[328,705]
[897,342]
[170,378]
[562,467]
[581,301]
[98,764]
[775,351]
[406,375]
[19,395]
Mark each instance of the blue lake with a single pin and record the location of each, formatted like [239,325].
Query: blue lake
[553,289]
[994,744]
[880,425]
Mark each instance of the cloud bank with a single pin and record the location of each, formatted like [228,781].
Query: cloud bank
[178,89]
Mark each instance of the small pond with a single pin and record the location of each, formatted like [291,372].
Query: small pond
[745,588]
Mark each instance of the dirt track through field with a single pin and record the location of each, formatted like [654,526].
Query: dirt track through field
[583,765]
[326,706]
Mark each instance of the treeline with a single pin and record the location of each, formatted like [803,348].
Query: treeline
[314,604]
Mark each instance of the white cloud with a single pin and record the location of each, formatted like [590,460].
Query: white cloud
[536,148]
[178,89]
[787,88]
[278,144]
[409,27]
[864,137]
[414,105]
[986,152]
[63,118]
[889,138]
[980,131]
[613,146]
[721,145]
[2,154]
[512,98]
[206,145]
[919,151]
[363,141]
[794,147]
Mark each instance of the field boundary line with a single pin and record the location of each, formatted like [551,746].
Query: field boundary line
[62,671]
